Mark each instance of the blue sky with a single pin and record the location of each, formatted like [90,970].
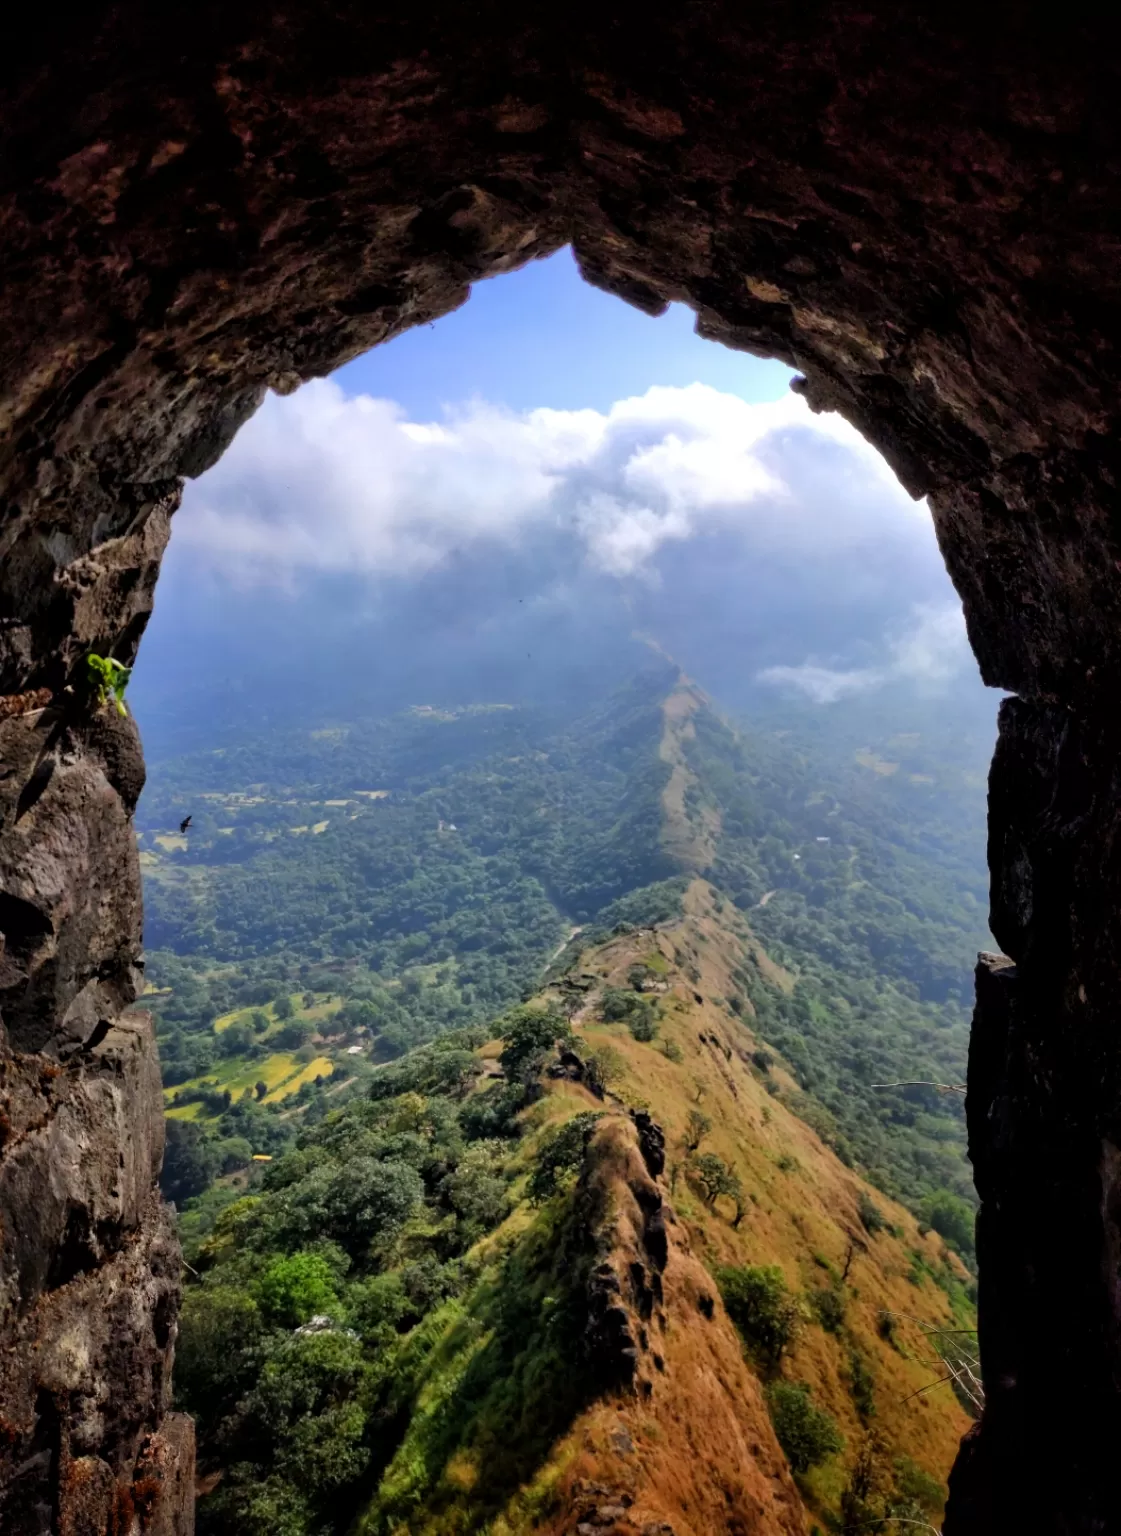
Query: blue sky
[542,336]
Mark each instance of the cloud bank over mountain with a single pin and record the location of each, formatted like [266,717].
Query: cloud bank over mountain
[321,482]
[340,546]
[930,651]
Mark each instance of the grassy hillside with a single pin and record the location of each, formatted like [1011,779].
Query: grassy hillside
[804,1211]
[873,936]
[484,1295]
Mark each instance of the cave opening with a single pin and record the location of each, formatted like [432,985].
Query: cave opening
[915,213]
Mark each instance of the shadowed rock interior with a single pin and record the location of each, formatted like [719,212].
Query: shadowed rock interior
[918,211]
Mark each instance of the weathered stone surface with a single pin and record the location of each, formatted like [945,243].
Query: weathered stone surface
[625,1215]
[917,207]
[70,904]
[89,1268]
[1044,1111]
[87,1378]
[82,1147]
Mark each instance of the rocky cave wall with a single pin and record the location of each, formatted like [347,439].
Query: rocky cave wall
[918,209]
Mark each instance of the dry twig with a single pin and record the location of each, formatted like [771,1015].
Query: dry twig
[920,1083]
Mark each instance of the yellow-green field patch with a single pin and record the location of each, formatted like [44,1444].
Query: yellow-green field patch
[322,1066]
[183,1111]
[282,1072]
[868,759]
[223,1022]
[320,1011]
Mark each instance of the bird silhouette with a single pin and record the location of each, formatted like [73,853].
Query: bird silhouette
[184,824]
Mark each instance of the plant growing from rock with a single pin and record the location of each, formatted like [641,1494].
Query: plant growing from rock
[108,680]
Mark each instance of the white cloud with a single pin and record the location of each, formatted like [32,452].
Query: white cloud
[934,648]
[323,482]
[824,685]
[930,651]
[815,556]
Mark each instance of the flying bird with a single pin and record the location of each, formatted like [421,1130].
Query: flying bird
[184,824]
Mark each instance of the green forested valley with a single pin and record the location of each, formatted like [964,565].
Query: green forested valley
[353,912]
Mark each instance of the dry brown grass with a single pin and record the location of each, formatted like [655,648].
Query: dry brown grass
[704,1457]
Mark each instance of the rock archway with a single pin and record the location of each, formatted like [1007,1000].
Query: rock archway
[920,213]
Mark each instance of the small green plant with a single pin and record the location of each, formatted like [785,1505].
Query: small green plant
[760,1304]
[643,1023]
[828,1306]
[673,1052]
[560,1156]
[697,1127]
[712,1174]
[109,680]
[871,1217]
[603,1067]
[862,1386]
[716,1179]
[885,1327]
[807,1434]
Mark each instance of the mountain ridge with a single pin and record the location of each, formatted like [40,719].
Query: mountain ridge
[549,830]
[668,1428]
[731,948]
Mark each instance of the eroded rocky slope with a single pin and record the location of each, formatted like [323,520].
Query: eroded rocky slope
[669,1433]
[89,1264]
